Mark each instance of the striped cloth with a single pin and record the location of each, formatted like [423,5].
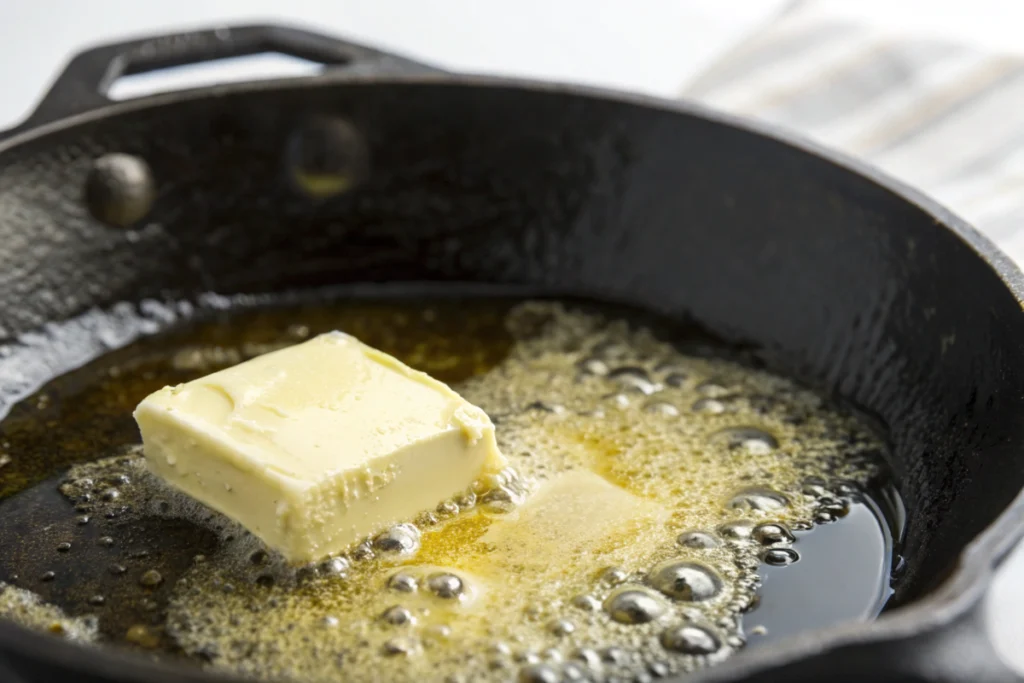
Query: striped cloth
[946,118]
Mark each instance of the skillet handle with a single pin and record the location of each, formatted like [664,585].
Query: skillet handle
[87,78]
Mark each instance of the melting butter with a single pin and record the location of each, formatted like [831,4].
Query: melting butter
[315,446]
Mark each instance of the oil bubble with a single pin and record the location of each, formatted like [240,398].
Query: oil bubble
[466,500]
[487,482]
[403,583]
[545,407]
[499,500]
[587,603]
[552,655]
[620,401]
[398,616]
[824,517]
[748,439]
[573,672]
[767,534]
[538,673]
[661,408]
[401,539]
[634,379]
[151,579]
[363,551]
[758,499]
[593,366]
[690,639]
[675,378]
[780,557]
[833,506]
[399,646]
[633,605]
[815,487]
[613,576]
[589,657]
[688,581]
[710,406]
[658,669]
[561,627]
[712,388]
[735,640]
[698,540]
[736,531]
[445,585]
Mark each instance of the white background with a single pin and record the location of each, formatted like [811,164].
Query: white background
[649,45]
[654,46]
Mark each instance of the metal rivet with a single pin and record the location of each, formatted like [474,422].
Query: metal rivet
[119,189]
[326,157]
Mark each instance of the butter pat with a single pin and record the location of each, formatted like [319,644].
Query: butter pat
[318,445]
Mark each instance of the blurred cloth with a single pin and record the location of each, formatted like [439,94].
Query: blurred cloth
[946,118]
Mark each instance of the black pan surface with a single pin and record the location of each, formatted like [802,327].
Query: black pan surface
[833,273]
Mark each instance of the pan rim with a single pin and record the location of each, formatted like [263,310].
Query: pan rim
[963,588]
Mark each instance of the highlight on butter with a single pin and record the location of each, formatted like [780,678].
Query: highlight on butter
[319,445]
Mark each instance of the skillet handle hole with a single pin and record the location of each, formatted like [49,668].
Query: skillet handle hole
[263,65]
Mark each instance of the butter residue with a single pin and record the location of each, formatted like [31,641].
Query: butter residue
[28,609]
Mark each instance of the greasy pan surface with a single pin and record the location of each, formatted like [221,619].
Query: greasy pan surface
[836,276]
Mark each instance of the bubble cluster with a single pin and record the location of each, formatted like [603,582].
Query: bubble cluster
[698,471]
[29,610]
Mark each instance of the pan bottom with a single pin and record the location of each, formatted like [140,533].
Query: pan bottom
[751,509]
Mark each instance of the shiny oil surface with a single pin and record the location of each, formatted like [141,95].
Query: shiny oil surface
[724,508]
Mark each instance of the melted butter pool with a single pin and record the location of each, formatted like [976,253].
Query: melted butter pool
[669,506]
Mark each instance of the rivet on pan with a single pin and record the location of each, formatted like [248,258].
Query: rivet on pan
[119,190]
[326,157]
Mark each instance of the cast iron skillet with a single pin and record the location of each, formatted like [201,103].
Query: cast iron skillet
[385,170]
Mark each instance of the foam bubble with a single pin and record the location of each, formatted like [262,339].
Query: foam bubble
[708,469]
